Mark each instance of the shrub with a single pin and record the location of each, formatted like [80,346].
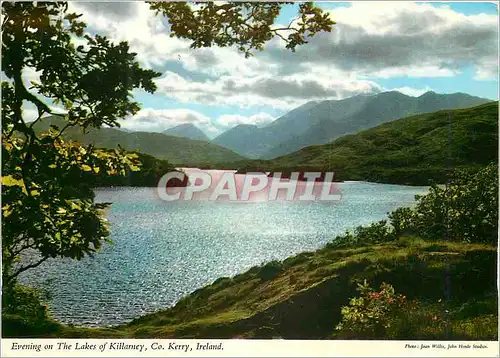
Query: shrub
[375,233]
[270,270]
[223,282]
[402,220]
[384,314]
[23,314]
[297,259]
[465,210]
[370,315]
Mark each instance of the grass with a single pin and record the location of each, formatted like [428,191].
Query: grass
[303,296]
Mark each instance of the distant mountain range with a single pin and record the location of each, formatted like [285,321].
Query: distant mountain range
[323,121]
[172,148]
[187,130]
[313,123]
[409,150]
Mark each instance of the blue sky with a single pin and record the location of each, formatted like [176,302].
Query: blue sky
[411,47]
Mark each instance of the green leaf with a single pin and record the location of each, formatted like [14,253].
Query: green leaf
[6,210]
[9,180]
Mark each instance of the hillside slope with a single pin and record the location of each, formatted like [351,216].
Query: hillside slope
[245,139]
[367,112]
[253,141]
[301,297]
[319,122]
[187,130]
[449,233]
[410,150]
[176,150]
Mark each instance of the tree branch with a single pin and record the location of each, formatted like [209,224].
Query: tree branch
[62,130]
[34,122]
[24,268]
[24,247]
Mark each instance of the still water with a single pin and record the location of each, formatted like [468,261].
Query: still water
[163,251]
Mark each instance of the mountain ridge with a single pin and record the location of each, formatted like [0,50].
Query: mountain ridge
[404,151]
[187,130]
[176,150]
[319,122]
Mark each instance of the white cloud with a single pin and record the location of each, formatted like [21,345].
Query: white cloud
[370,40]
[284,92]
[231,120]
[159,120]
[30,75]
[146,33]
[415,71]
[30,112]
[410,91]
[487,70]
[393,39]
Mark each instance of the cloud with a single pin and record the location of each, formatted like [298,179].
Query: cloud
[391,39]
[29,75]
[146,33]
[370,40]
[410,91]
[487,70]
[283,93]
[159,120]
[30,113]
[117,10]
[231,120]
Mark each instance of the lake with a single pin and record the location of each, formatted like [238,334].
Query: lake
[163,251]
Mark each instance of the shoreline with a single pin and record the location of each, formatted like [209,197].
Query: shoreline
[287,279]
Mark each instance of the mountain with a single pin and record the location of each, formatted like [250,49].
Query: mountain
[176,150]
[322,121]
[187,130]
[125,129]
[245,138]
[332,119]
[411,150]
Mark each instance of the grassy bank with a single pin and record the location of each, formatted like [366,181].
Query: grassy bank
[302,296]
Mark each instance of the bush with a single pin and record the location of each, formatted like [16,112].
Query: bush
[384,314]
[223,282]
[376,233]
[402,220]
[370,315]
[23,314]
[466,210]
[297,259]
[270,270]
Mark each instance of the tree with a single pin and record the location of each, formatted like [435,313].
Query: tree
[47,201]
[246,25]
[48,206]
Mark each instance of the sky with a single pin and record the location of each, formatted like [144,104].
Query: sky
[410,47]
